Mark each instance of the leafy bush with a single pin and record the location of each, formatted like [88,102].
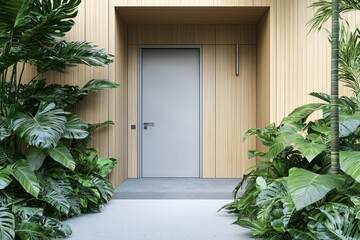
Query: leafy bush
[290,195]
[47,172]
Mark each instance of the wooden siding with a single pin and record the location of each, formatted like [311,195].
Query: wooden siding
[171,34]
[133,111]
[299,64]
[198,15]
[118,99]
[263,76]
[209,111]
[235,109]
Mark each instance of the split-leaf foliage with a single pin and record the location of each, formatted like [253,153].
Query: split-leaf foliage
[47,172]
[290,194]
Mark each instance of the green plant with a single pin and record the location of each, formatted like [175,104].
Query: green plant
[47,171]
[291,194]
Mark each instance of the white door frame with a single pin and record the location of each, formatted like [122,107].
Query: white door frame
[140,127]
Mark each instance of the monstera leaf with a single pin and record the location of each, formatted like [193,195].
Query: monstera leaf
[75,129]
[350,164]
[35,156]
[348,124]
[45,129]
[302,113]
[62,155]
[306,187]
[7,225]
[24,174]
[309,149]
[334,221]
[5,177]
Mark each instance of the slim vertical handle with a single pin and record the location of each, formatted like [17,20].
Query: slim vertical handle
[237,60]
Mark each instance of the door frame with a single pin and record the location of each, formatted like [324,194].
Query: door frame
[139,90]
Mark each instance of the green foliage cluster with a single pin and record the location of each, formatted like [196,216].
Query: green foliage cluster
[47,172]
[290,193]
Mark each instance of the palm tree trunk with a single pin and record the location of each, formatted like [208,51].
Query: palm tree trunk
[335,165]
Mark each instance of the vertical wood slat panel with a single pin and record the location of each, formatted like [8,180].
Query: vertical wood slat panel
[263,76]
[189,3]
[300,60]
[209,112]
[133,111]
[171,34]
[236,34]
[235,109]
[97,110]
[118,144]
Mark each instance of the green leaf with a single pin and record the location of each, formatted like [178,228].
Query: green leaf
[300,235]
[99,84]
[30,231]
[45,129]
[5,177]
[56,228]
[281,142]
[35,156]
[27,214]
[323,96]
[105,165]
[356,201]
[69,54]
[7,224]
[350,164]
[300,114]
[13,14]
[348,124]
[5,130]
[24,174]
[254,153]
[310,150]
[52,193]
[257,228]
[306,187]
[321,129]
[334,221]
[63,156]
[260,184]
[75,128]
[58,201]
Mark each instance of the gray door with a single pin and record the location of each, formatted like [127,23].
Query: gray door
[170,112]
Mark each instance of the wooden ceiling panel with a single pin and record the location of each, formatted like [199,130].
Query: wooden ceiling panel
[192,15]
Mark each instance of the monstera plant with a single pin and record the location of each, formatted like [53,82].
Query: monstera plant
[47,171]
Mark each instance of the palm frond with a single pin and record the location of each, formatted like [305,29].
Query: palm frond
[324,11]
[349,58]
[70,54]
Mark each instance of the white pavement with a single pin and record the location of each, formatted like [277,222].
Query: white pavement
[158,220]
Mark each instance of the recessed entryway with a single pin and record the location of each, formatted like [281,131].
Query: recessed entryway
[234,82]
[170,112]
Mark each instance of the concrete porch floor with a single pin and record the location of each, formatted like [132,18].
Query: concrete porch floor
[176,188]
[158,220]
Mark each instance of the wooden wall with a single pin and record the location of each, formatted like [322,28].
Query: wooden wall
[299,63]
[263,75]
[229,101]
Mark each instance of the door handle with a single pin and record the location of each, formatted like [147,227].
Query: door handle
[148,124]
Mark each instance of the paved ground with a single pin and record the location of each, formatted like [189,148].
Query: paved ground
[176,188]
[158,220]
